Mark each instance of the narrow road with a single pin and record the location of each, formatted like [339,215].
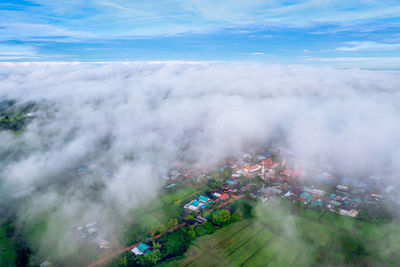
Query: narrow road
[115,253]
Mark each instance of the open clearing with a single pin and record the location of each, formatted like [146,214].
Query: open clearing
[277,236]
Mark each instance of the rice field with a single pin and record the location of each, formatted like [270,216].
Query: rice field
[277,236]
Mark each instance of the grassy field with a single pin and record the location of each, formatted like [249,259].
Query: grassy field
[278,235]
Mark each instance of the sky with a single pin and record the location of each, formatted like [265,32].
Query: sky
[359,34]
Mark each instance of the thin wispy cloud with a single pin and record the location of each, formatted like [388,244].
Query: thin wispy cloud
[366,45]
[109,30]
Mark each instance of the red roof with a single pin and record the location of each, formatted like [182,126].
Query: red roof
[267,162]
[224,196]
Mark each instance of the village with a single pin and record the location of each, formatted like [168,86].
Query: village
[265,176]
[257,177]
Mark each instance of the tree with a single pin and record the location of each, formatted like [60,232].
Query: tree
[209,227]
[152,231]
[216,220]
[149,259]
[172,223]
[163,229]
[175,243]
[216,176]
[191,231]
[123,262]
[22,259]
[237,215]
[226,174]
[156,245]
[225,216]
[200,230]
[189,218]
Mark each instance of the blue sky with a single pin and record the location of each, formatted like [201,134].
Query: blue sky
[344,33]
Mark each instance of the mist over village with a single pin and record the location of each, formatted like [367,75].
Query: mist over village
[199,134]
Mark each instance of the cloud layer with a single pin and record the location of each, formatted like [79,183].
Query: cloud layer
[126,123]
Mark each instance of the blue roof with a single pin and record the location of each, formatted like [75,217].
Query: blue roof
[230,182]
[346,202]
[196,203]
[333,195]
[356,200]
[142,247]
[306,195]
[204,206]
[203,198]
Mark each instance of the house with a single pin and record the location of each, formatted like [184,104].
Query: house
[317,192]
[194,205]
[305,197]
[288,193]
[141,249]
[237,174]
[348,212]
[216,194]
[101,242]
[269,163]
[252,168]
[200,219]
[224,196]
[221,196]
[332,205]
[267,193]
[342,187]
[91,232]
[205,200]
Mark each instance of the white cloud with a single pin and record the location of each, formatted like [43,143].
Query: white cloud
[135,119]
[12,52]
[368,45]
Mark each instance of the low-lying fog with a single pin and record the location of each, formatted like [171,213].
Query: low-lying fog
[126,123]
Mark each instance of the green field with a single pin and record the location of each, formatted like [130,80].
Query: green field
[280,236]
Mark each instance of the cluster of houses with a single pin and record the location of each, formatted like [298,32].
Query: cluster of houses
[91,233]
[346,197]
[200,203]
